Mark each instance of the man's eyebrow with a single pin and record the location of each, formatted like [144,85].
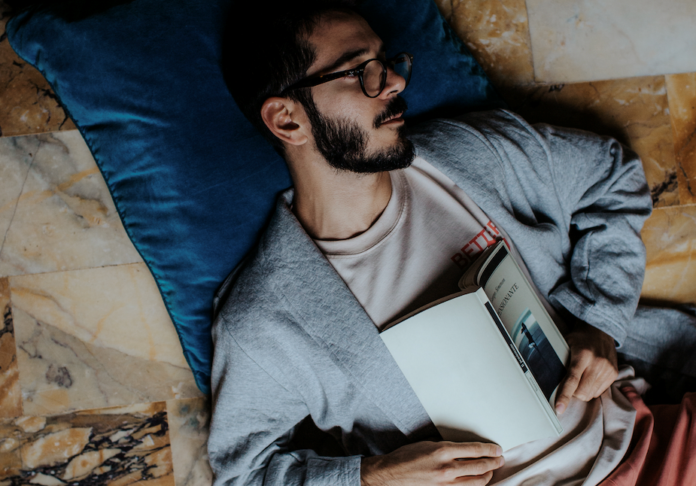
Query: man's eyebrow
[346,57]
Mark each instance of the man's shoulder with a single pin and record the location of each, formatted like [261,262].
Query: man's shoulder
[256,293]
[480,130]
[248,289]
[251,286]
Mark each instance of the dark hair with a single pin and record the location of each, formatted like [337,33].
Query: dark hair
[265,50]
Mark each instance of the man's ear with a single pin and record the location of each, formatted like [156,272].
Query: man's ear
[285,120]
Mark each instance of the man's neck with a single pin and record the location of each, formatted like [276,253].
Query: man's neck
[336,205]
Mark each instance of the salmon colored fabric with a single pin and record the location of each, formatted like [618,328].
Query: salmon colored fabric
[663,446]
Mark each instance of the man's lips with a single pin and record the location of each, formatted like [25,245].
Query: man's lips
[393,119]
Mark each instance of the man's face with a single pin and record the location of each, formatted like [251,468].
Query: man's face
[354,132]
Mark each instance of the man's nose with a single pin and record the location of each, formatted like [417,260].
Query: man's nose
[395,85]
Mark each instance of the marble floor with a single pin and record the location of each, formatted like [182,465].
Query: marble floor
[88,396]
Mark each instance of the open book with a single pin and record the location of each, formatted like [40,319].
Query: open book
[486,362]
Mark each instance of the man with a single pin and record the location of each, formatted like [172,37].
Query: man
[370,232]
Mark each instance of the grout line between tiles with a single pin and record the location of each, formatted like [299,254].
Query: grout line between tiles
[675,207]
[19,196]
[529,39]
[73,270]
[33,134]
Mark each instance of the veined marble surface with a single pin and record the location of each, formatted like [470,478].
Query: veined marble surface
[95,338]
[117,446]
[497,34]
[670,241]
[27,103]
[682,104]
[10,394]
[56,212]
[635,111]
[189,422]
[587,40]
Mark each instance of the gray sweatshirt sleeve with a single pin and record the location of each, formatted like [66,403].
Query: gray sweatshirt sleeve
[602,189]
[254,417]
[573,202]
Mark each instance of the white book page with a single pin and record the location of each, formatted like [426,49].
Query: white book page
[459,365]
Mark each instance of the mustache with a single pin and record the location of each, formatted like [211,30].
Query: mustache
[395,106]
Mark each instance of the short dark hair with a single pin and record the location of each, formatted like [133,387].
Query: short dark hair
[265,50]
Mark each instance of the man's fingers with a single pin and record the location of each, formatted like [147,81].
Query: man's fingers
[595,380]
[475,480]
[466,450]
[468,468]
[476,467]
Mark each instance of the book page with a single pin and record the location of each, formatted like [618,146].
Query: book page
[465,375]
[529,325]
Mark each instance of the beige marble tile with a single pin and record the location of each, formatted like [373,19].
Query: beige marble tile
[670,241]
[10,394]
[681,89]
[189,422]
[590,40]
[27,103]
[635,111]
[95,338]
[56,212]
[124,446]
[497,34]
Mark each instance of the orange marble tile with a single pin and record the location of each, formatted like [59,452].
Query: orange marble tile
[27,103]
[10,442]
[681,89]
[497,33]
[445,7]
[670,241]
[10,393]
[53,449]
[103,446]
[635,111]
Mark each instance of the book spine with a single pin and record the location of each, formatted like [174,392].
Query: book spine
[506,336]
[527,373]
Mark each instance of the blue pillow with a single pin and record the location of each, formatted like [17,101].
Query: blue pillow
[192,180]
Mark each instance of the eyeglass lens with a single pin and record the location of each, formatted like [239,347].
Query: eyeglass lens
[374,78]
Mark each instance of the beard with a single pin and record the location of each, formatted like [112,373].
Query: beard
[343,143]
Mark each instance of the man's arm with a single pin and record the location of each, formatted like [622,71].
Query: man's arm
[574,203]
[603,189]
[254,417]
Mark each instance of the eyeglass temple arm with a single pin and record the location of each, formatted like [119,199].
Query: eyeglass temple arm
[311,82]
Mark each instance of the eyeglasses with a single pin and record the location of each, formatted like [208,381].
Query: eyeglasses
[372,74]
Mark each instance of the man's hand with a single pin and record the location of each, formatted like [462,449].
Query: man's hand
[433,463]
[593,365]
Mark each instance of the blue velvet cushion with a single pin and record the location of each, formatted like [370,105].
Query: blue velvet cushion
[192,180]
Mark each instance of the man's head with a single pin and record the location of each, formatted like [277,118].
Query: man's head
[266,53]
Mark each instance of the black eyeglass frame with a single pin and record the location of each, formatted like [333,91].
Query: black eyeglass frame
[359,70]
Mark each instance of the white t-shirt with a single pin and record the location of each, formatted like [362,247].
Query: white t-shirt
[415,253]
[417,249]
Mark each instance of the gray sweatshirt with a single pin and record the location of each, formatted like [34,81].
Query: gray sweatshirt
[291,340]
